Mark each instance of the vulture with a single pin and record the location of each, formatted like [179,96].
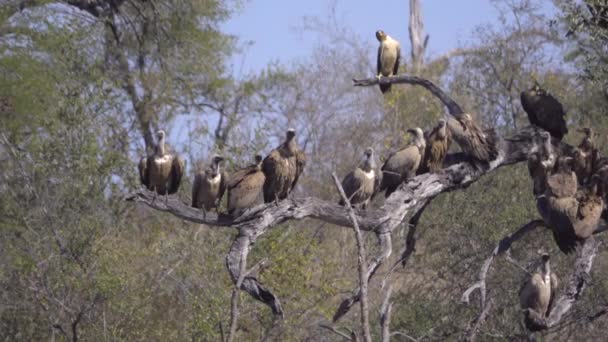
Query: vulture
[402,165]
[473,140]
[537,295]
[359,185]
[544,111]
[540,162]
[161,172]
[282,168]
[389,55]
[209,186]
[586,156]
[245,187]
[437,146]
[572,213]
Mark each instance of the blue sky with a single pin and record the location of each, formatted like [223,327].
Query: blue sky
[272,25]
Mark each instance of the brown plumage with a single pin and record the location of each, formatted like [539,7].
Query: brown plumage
[585,156]
[359,185]
[402,165]
[544,111]
[161,172]
[537,295]
[540,163]
[282,168]
[573,213]
[209,186]
[437,146]
[473,141]
[245,187]
[389,56]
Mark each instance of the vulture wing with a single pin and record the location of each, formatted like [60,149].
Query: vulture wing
[300,164]
[196,185]
[397,60]
[351,184]
[143,171]
[177,171]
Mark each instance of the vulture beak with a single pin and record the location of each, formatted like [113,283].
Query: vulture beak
[369,152]
[160,134]
[258,158]
[380,35]
[545,257]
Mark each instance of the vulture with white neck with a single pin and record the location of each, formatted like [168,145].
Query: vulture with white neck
[161,172]
[537,295]
[389,56]
[359,185]
[209,186]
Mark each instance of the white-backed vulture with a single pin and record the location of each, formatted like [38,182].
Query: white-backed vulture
[389,56]
[537,295]
[473,141]
[161,172]
[209,186]
[402,165]
[437,146]
[544,111]
[245,187]
[585,156]
[541,162]
[359,184]
[282,168]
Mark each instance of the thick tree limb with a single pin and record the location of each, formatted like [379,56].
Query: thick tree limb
[453,108]
[385,315]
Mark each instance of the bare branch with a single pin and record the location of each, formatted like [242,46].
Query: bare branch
[453,108]
[362,262]
[335,331]
[461,172]
[385,315]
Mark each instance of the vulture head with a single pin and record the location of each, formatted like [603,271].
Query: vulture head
[215,166]
[258,159]
[546,266]
[380,35]
[442,128]
[160,146]
[368,163]
[291,133]
[418,136]
[547,149]
[565,164]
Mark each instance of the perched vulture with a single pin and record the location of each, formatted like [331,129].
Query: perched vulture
[359,185]
[161,172]
[402,165]
[540,163]
[389,55]
[538,294]
[586,156]
[437,146]
[473,140]
[209,186]
[572,213]
[282,168]
[245,187]
[544,111]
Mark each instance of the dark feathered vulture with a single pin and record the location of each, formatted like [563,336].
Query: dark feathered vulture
[537,295]
[573,213]
[402,165]
[473,141]
[161,172]
[437,146]
[389,56]
[359,185]
[282,168]
[209,186]
[245,187]
[586,156]
[544,111]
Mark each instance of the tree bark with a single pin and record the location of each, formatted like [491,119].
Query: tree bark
[416,31]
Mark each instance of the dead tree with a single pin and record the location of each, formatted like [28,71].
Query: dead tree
[460,171]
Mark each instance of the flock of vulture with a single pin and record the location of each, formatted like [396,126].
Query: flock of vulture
[568,185]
